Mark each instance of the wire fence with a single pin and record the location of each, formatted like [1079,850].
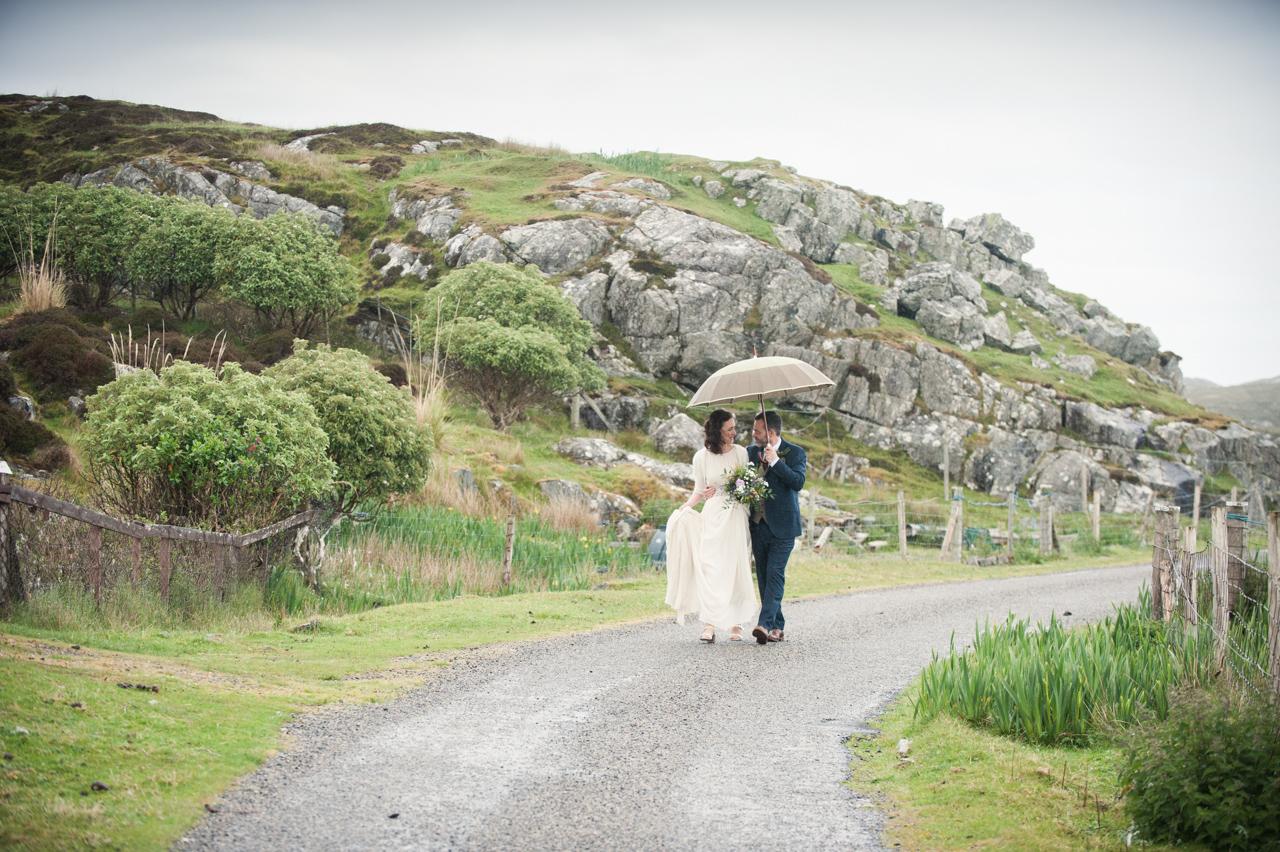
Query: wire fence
[1015,529]
[1228,585]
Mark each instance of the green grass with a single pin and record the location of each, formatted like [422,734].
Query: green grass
[247,667]
[966,788]
[161,755]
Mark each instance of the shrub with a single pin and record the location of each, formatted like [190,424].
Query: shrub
[223,451]
[178,257]
[98,231]
[8,387]
[1208,774]
[289,271]
[376,445]
[514,339]
[58,354]
[19,436]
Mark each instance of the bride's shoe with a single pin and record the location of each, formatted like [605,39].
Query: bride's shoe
[708,635]
[735,635]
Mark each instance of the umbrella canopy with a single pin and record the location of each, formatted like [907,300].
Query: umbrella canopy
[758,378]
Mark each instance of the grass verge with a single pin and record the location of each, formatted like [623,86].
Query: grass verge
[226,690]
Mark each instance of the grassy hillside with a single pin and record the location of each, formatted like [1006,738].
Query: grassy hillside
[497,184]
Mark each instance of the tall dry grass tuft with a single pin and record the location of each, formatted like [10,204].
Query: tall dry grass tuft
[42,285]
[515,146]
[150,354]
[404,573]
[425,374]
[565,514]
[443,488]
[320,165]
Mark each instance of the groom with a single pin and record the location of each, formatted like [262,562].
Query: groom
[775,530]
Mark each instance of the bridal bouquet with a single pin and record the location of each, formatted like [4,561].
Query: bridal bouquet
[746,486]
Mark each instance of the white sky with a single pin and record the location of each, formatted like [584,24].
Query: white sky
[1137,144]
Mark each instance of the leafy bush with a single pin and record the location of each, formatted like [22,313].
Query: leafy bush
[1209,773]
[179,256]
[98,231]
[223,451]
[514,339]
[288,270]
[375,442]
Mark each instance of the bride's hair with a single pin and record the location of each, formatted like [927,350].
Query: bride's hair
[715,422]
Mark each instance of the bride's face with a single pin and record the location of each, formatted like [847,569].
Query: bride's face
[728,432]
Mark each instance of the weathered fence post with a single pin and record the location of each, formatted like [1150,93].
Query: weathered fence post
[1218,569]
[955,529]
[509,552]
[1097,516]
[959,541]
[575,412]
[1273,597]
[165,557]
[1236,529]
[813,513]
[1146,519]
[946,469]
[1013,506]
[12,589]
[1084,488]
[95,564]
[902,523]
[1195,517]
[1162,550]
[1046,522]
[1190,582]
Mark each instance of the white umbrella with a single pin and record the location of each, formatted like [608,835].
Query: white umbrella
[757,378]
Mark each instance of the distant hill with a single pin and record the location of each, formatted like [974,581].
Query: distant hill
[1255,403]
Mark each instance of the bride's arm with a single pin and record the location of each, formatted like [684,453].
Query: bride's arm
[701,491]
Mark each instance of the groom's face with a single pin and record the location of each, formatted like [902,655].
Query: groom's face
[759,434]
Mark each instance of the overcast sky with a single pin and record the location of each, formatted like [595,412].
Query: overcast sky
[1137,142]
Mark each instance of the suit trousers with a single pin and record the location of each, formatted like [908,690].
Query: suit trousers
[771,553]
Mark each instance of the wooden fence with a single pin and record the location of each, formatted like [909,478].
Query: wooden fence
[227,550]
[1228,586]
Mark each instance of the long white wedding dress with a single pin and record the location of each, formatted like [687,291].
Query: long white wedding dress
[709,552]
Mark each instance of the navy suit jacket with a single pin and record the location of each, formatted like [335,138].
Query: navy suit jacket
[785,478]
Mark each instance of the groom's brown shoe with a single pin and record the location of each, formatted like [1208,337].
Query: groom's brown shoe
[775,636]
[762,635]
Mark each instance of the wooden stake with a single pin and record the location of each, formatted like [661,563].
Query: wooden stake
[1046,522]
[166,566]
[135,553]
[1195,517]
[1218,567]
[1097,516]
[509,552]
[902,523]
[1235,554]
[959,539]
[12,588]
[1084,488]
[95,564]
[1162,552]
[1013,504]
[946,469]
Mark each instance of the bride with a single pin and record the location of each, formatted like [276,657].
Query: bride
[709,554]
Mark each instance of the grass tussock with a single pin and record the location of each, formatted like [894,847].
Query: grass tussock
[565,514]
[324,166]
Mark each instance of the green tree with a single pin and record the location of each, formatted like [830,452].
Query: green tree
[512,340]
[179,256]
[375,443]
[97,231]
[221,451]
[289,270]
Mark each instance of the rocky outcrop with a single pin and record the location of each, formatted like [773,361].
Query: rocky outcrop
[395,260]
[651,188]
[433,217]
[597,452]
[679,435]
[471,245]
[159,176]
[556,246]
[946,302]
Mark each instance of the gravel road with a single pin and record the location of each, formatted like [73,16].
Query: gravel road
[638,737]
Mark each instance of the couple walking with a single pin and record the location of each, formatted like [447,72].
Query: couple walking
[709,553]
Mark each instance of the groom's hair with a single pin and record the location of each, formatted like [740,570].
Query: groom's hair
[772,421]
